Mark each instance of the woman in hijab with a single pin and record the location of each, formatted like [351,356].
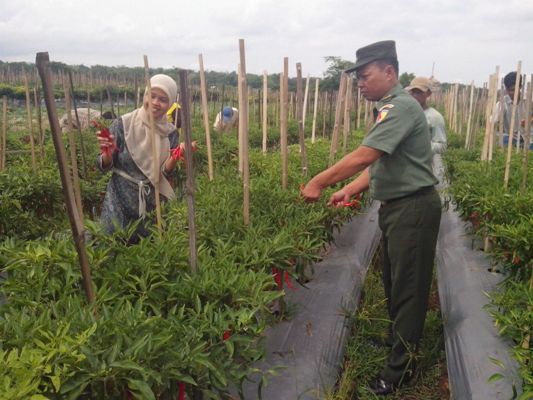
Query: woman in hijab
[130,193]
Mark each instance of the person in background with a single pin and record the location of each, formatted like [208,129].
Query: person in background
[420,89]
[395,164]
[226,120]
[127,153]
[506,110]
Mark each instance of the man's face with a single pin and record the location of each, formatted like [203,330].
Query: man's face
[420,96]
[375,81]
[510,92]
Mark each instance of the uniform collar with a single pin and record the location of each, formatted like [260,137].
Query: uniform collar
[395,91]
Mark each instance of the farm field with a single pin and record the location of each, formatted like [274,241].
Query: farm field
[178,318]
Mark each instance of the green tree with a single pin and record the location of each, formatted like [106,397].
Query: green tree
[332,75]
[406,78]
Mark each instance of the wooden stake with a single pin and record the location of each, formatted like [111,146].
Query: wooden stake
[82,147]
[241,122]
[469,123]
[37,102]
[338,112]
[245,162]
[315,109]
[347,110]
[3,142]
[155,154]
[306,95]
[73,153]
[358,108]
[299,117]
[511,130]
[206,117]
[527,138]
[189,185]
[30,124]
[265,111]
[42,62]
[284,80]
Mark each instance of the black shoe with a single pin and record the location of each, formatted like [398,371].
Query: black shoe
[381,387]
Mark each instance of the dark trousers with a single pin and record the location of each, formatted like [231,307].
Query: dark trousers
[410,228]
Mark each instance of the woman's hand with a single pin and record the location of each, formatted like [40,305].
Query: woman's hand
[179,152]
[107,147]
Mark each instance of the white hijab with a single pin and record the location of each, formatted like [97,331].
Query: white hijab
[139,141]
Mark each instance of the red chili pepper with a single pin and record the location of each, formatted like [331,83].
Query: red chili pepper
[181,391]
[226,335]
[280,275]
[104,133]
[177,153]
[353,204]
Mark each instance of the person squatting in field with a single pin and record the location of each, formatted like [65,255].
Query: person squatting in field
[395,161]
[127,153]
[226,120]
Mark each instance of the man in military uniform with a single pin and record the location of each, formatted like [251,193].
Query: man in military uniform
[395,163]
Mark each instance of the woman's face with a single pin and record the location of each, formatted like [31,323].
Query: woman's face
[160,103]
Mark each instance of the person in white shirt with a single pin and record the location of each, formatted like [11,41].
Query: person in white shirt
[420,89]
[226,120]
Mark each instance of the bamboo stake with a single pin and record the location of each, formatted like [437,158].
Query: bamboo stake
[315,109]
[283,122]
[245,163]
[469,123]
[73,153]
[241,116]
[493,135]
[37,102]
[206,117]
[475,122]
[306,95]
[42,62]
[30,124]
[82,147]
[347,110]
[358,108]
[511,130]
[110,99]
[324,114]
[265,111]
[299,117]
[189,185]
[486,153]
[3,142]
[336,126]
[155,154]
[527,137]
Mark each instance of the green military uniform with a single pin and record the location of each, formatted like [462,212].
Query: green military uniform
[409,219]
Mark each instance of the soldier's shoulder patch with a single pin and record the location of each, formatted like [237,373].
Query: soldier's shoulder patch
[381,115]
[386,107]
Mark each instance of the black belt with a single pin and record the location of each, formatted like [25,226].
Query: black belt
[419,192]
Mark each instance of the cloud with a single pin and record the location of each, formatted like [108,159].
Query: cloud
[464,39]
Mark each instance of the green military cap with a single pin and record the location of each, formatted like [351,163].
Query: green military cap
[373,52]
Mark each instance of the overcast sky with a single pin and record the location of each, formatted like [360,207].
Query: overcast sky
[465,39]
